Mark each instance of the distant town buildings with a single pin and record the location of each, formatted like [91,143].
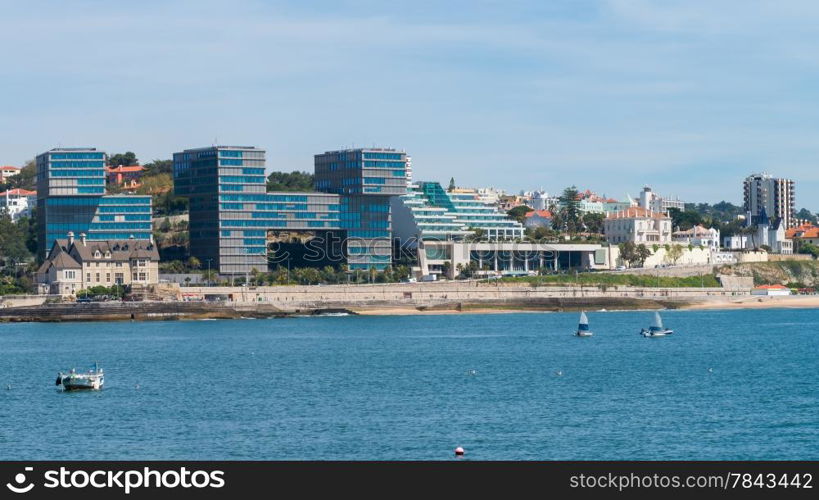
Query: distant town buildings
[538,218]
[126,177]
[698,236]
[650,200]
[71,198]
[18,202]
[775,196]
[364,197]
[765,233]
[737,242]
[637,225]
[8,171]
[73,265]
[805,233]
[490,194]
[539,200]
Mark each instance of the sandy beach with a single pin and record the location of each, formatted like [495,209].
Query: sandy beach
[712,303]
[757,302]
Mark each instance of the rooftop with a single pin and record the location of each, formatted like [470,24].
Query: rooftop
[637,213]
[803,231]
[541,213]
[18,192]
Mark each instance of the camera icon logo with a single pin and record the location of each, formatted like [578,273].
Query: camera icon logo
[20,478]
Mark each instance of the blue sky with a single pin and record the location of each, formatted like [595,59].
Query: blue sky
[688,96]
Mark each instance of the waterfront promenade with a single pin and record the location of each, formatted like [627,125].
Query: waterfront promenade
[173,302]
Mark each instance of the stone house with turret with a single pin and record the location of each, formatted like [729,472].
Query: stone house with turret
[74,265]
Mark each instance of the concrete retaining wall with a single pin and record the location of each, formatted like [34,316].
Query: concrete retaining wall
[796,256]
[26,300]
[425,294]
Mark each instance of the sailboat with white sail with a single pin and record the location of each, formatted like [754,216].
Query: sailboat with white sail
[583,326]
[656,329]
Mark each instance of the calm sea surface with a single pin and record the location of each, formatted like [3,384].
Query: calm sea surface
[503,386]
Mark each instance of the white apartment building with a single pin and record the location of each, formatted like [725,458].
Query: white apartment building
[698,236]
[775,197]
[637,225]
[656,203]
[18,202]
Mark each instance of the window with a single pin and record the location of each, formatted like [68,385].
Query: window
[88,277]
[118,278]
[98,277]
[70,275]
[142,277]
[108,277]
[134,276]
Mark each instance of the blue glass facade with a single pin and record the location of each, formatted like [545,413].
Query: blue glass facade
[366,179]
[71,197]
[231,212]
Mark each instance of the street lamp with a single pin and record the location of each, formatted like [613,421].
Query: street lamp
[209,271]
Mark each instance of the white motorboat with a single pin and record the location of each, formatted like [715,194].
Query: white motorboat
[656,329]
[583,326]
[73,380]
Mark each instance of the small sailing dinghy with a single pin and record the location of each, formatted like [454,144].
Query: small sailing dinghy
[656,329]
[91,380]
[583,326]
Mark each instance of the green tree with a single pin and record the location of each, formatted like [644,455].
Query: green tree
[158,167]
[194,263]
[209,275]
[519,213]
[540,233]
[293,181]
[478,234]
[25,179]
[570,209]
[123,159]
[155,184]
[685,220]
[643,253]
[809,248]
[674,252]
[628,252]
[12,241]
[593,223]
[451,184]
[328,274]
[807,215]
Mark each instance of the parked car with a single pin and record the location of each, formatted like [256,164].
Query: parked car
[84,300]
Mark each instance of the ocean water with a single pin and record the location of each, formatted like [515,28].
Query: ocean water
[503,386]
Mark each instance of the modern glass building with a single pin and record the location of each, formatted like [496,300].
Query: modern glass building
[231,214]
[366,179]
[429,212]
[71,197]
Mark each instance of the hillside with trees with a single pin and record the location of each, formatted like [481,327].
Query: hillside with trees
[293,181]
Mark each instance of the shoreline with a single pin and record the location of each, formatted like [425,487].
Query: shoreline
[750,302]
[180,311]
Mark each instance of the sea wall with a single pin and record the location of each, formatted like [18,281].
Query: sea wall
[26,300]
[288,298]
[280,301]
